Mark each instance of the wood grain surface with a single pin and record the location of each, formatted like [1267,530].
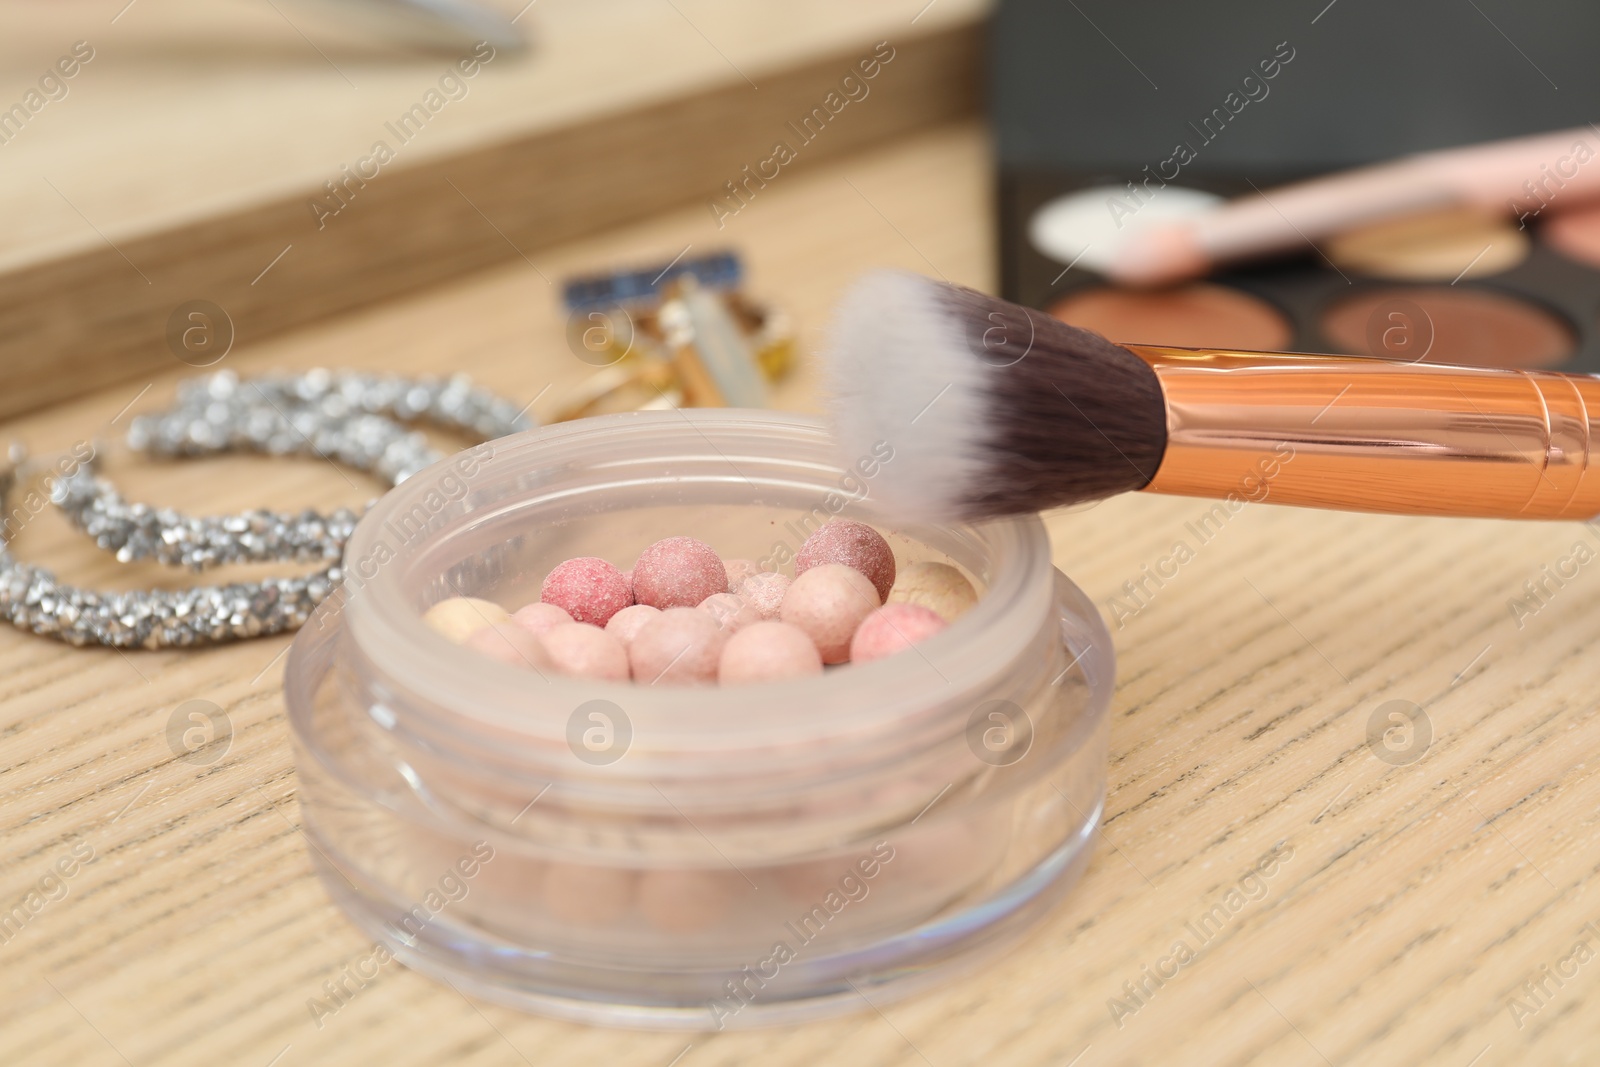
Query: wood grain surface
[1412,898]
[186,157]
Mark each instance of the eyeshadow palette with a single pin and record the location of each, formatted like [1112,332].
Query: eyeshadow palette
[1085,139]
[1448,287]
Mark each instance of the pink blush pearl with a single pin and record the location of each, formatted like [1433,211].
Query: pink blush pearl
[893,628]
[681,646]
[537,618]
[855,544]
[588,589]
[583,651]
[764,592]
[828,602]
[768,652]
[625,624]
[509,643]
[730,612]
[678,572]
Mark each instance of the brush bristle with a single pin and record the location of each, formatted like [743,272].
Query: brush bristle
[990,408]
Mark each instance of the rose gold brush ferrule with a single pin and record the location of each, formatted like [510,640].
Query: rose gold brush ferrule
[1375,435]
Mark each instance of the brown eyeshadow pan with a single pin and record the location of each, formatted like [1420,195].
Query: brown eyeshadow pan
[1190,316]
[1440,324]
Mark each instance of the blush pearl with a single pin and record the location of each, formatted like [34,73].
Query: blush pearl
[678,572]
[459,617]
[626,623]
[854,544]
[828,602]
[730,611]
[768,652]
[588,589]
[937,586]
[893,628]
[681,646]
[764,591]
[585,651]
[509,643]
[537,618]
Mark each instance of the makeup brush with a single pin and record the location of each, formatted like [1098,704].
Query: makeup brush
[991,409]
[1496,177]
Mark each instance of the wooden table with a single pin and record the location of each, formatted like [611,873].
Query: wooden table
[1410,904]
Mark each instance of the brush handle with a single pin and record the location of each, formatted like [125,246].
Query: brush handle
[1366,434]
[1490,176]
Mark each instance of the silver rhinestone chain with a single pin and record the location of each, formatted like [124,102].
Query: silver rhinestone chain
[138,531]
[349,417]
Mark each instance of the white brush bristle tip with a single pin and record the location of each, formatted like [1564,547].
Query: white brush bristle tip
[902,378]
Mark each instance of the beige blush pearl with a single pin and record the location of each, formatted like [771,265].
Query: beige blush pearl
[681,646]
[938,587]
[458,617]
[828,602]
[508,643]
[768,652]
[581,650]
[537,618]
[730,611]
[626,624]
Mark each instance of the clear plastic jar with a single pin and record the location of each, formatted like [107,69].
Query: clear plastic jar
[689,857]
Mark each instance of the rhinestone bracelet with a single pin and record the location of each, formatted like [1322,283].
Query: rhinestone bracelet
[138,531]
[350,417]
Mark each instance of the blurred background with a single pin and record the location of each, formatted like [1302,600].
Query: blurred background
[289,161]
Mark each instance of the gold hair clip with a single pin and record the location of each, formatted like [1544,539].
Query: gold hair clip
[682,335]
